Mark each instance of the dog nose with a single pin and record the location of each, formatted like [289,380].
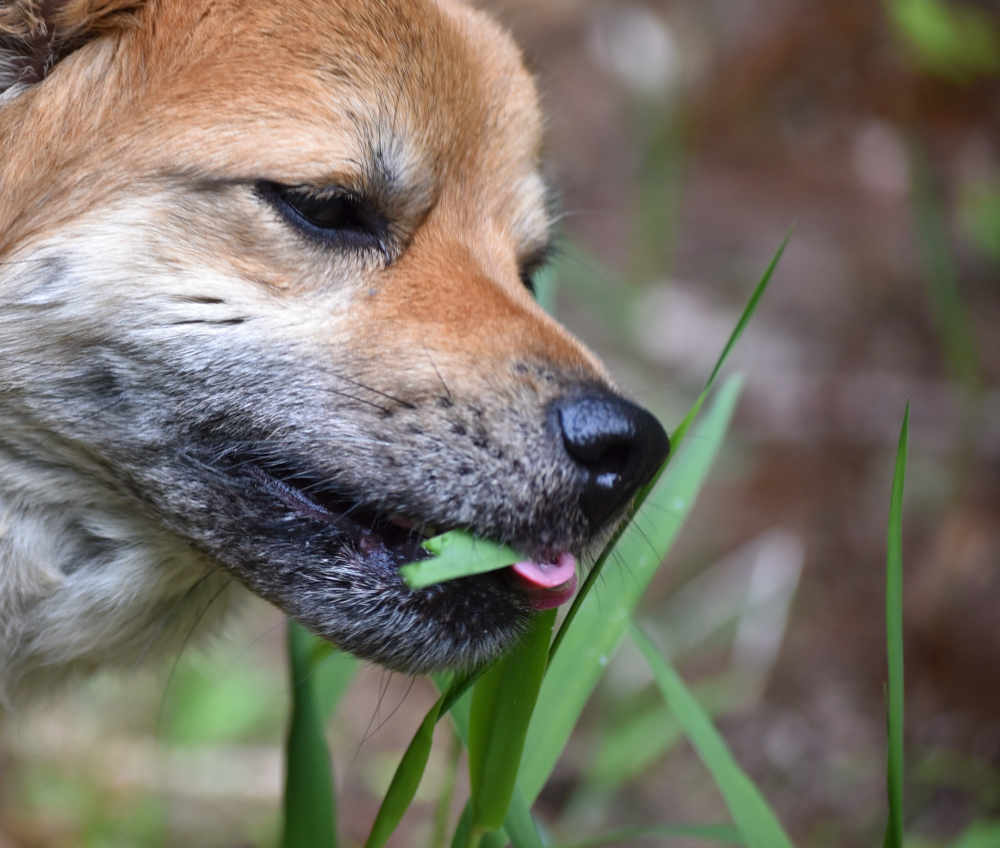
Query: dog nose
[617,445]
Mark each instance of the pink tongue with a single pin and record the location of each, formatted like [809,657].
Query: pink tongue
[547,575]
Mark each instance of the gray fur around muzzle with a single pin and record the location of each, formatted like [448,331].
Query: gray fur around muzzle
[318,519]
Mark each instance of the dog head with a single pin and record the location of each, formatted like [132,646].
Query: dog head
[275,261]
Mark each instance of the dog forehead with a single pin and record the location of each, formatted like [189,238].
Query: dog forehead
[428,81]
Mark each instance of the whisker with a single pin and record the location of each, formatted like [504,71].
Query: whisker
[447,391]
[404,403]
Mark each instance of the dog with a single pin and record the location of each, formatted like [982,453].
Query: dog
[266,321]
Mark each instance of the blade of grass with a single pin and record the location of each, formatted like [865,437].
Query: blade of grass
[894,642]
[601,620]
[442,810]
[309,804]
[677,437]
[749,309]
[753,817]
[502,703]
[406,779]
[456,554]
[463,831]
[722,833]
[519,824]
[569,682]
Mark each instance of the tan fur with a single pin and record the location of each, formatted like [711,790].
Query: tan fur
[131,141]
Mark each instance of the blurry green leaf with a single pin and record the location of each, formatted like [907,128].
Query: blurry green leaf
[143,821]
[950,315]
[310,806]
[980,216]
[721,833]
[332,675]
[594,285]
[955,40]
[634,742]
[457,554]
[502,703]
[894,642]
[751,813]
[546,289]
[982,834]
[223,704]
[601,619]
[629,746]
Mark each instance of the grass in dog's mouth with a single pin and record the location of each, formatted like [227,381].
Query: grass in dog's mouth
[428,553]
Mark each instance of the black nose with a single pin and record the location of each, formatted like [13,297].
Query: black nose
[618,445]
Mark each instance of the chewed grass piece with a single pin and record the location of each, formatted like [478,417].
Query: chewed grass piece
[457,554]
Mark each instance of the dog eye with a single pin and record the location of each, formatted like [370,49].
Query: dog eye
[533,264]
[335,217]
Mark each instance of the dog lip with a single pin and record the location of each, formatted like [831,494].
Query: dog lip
[546,582]
[369,529]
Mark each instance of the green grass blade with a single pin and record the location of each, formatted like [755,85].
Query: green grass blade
[456,554]
[463,832]
[681,431]
[894,642]
[405,781]
[519,824]
[723,834]
[749,310]
[502,703]
[753,817]
[446,794]
[602,617]
[309,805]
[679,434]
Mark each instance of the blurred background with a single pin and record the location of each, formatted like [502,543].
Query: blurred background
[686,138]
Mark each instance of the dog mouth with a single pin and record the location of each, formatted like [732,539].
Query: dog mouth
[547,580]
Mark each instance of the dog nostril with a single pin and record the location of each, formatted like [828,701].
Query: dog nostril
[617,445]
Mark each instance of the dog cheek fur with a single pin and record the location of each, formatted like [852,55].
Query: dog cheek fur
[85,577]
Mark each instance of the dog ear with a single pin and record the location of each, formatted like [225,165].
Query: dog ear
[36,34]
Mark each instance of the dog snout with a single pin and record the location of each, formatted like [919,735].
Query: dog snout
[616,445]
